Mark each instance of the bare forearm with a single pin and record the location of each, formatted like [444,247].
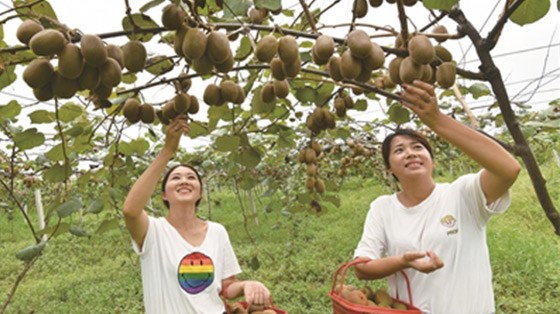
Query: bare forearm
[380,268]
[142,190]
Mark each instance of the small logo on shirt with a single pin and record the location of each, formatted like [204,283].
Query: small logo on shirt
[449,222]
[196,272]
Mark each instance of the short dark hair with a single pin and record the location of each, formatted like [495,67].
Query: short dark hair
[386,146]
[166,178]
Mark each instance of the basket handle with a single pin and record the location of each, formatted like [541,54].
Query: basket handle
[341,270]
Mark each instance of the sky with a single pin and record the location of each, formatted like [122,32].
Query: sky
[521,54]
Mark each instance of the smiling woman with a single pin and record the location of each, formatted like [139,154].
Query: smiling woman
[188,264]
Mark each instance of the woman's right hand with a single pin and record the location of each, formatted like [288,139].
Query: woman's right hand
[175,129]
[424,262]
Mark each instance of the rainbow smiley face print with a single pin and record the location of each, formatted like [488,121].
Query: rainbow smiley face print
[196,272]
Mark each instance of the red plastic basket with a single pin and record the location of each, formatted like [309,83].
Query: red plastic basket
[278,311]
[342,306]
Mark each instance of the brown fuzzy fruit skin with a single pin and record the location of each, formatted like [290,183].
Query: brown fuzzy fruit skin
[212,95]
[334,68]
[410,70]
[172,16]
[421,49]
[277,69]
[63,87]
[131,110]
[135,55]
[375,59]
[93,50]
[394,69]
[110,73]
[324,47]
[147,113]
[217,47]
[26,30]
[443,54]
[194,44]
[47,42]
[229,90]
[266,48]
[350,66]
[375,3]
[359,43]
[267,93]
[445,74]
[194,105]
[38,73]
[440,30]
[70,61]
[43,93]
[360,8]
[281,88]
[89,78]
[115,52]
[288,49]
[356,297]
[181,103]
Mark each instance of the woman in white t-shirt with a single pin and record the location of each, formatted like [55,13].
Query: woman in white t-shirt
[187,263]
[436,232]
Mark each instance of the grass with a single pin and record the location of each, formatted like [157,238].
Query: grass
[296,257]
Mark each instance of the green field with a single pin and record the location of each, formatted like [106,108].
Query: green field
[297,255]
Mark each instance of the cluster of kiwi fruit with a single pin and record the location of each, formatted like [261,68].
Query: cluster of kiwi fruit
[359,153]
[320,119]
[366,296]
[91,65]
[342,103]
[309,156]
[204,52]
[240,308]
[282,54]
[424,62]
[226,91]
[360,8]
[359,61]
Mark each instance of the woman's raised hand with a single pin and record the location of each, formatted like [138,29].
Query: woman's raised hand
[175,129]
[420,97]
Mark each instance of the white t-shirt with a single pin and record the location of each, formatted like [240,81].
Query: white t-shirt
[180,278]
[452,223]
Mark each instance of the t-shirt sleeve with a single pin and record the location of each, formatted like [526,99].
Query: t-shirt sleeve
[230,264]
[474,195]
[148,240]
[372,242]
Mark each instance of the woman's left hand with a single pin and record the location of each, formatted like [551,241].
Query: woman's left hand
[256,293]
[420,97]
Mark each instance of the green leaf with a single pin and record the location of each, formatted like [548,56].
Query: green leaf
[236,8]
[247,182]
[96,206]
[78,231]
[255,264]
[42,116]
[39,8]
[306,94]
[7,75]
[53,231]
[440,4]
[28,139]
[227,143]
[57,173]
[140,146]
[198,129]
[244,50]
[271,5]
[159,65]
[10,110]
[56,153]
[31,251]
[143,22]
[74,131]
[479,89]
[248,157]
[398,114]
[530,11]
[69,207]
[125,148]
[150,4]
[69,111]
[361,105]
[107,225]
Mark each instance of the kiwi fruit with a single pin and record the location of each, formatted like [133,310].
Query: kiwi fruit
[267,93]
[317,148]
[26,30]
[38,73]
[226,66]
[181,103]
[70,61]
[350,67]
[442,53]
[168,112]
[281,88]
[394,69]
[115,52]
[184,82]
[212,94]
[399,306]
[445,74]
[135,55]
[240,95]
[324,47]
[420,49]
[348,102]
[147,113]
[339,106]
[375,3]
[410,70]
[194,43]
[229,90]
[292,69]
[375,59]
[257,16]
[334,68]
[102,91]
[89,78]
[318,59]
[93,50]
[440,30]
[360,8]
[319,186]
[44,92]
[387,83]
[131,110]
[47,42]
[288,49]
[172,16]
[63,87]
[277,69]
[217,47]
[110,73]
[356,297]
[178,40]
[194,107]
[359,43]
[381,296]
[409,3]
[310,155]
[203,65]
[266,48]
[427,73]
[310,183]
[328,118]
[161,118]
[311,170]
[365,75]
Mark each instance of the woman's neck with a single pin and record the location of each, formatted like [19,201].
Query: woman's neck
[183,217]
[415,192]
